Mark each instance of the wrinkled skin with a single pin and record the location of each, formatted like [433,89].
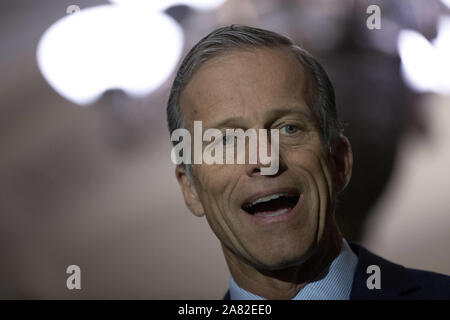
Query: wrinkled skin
[266,88]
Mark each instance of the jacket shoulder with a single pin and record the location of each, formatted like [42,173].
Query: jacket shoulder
[434,285]
[397,282]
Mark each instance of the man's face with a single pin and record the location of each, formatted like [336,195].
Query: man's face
[261,89]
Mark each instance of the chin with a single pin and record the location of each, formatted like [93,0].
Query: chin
[279,264]
[278,260]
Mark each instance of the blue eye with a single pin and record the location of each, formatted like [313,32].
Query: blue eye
[289,129]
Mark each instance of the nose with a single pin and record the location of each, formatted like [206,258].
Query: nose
[269,150]
[253,170]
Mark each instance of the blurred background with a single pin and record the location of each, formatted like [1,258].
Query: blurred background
[85,170]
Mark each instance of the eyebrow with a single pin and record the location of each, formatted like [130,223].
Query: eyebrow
[239,122]
[278,113]
[232,122]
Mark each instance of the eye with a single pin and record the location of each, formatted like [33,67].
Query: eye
[227,140]
[289,129]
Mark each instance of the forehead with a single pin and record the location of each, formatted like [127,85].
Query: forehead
[245,83]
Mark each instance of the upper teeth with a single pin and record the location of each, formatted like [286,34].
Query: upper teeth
[267,198]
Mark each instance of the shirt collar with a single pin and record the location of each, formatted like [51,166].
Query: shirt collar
[336,285]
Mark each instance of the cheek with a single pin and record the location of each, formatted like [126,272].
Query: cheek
[311,164]
[216,183]
[310,168]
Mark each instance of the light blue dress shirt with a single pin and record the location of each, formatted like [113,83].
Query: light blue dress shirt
[336,285]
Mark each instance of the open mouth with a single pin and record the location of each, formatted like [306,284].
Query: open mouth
[272,205]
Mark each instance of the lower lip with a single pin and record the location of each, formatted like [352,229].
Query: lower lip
[268,219]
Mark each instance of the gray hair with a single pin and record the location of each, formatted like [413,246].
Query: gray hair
[225,39]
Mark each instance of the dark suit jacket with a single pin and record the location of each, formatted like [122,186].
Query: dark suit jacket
[397,282]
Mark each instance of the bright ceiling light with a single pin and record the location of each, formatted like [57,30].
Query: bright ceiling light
[425,65]
[109,47]
[446,2]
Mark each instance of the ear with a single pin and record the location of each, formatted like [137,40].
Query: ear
[189,192]
[342,163]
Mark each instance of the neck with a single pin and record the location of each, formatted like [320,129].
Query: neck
[284,284]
